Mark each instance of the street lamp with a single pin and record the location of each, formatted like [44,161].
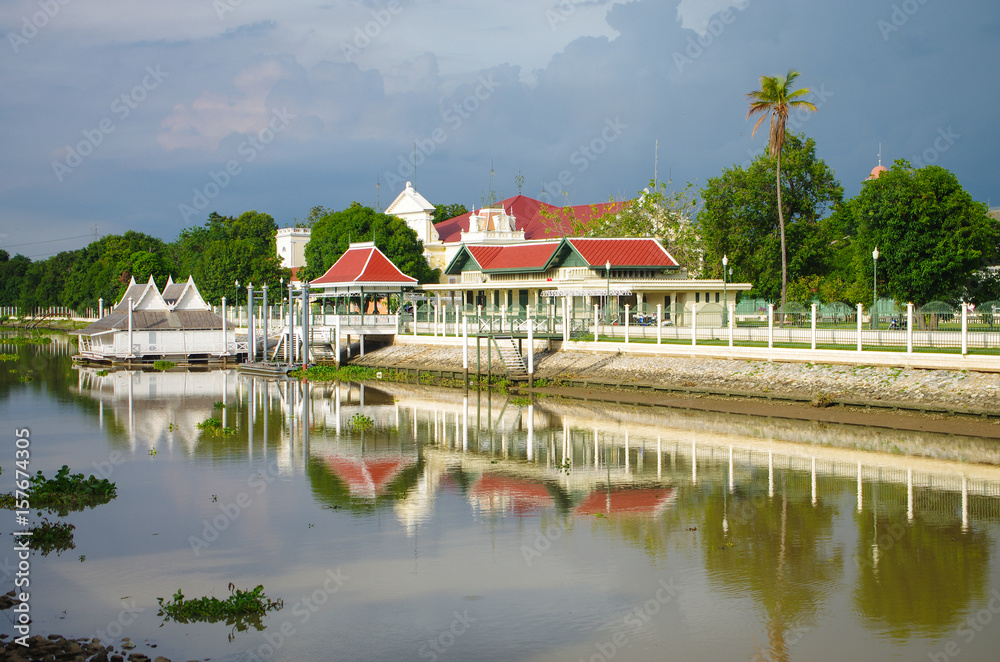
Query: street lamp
[237,299]
[725,293]
[607,300]
[875,288]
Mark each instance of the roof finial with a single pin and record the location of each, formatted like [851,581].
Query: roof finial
[880,153]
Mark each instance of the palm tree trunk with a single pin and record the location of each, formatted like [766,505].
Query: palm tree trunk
[781,225]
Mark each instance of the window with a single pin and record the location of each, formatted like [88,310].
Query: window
[716,297]
[697,297]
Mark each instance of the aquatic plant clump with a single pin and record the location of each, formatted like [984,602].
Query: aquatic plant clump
[349,373]
[50,537]
[241,609]
[64,492]
[163,365]
[27,340]
[214,426]
[362,422]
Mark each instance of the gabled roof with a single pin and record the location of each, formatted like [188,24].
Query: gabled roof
[190,298]
[409,202]
[172,291]
[363,264]
[134,292]
[505,257]
[156,320]
[639,252]
[150,299]
[531,217]
[623,252]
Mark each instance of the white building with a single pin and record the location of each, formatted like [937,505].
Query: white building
[291,246]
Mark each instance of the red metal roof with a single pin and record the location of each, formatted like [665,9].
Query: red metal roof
[528,215]
[364,264]
[517,256]
[650,500]
[635,252]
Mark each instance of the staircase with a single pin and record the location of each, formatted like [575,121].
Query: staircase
[511,357]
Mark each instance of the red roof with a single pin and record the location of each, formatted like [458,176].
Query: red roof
[517,256]
[650,500]
[528,216]
[370,476]
[364,264]
[504,493]
[634,252]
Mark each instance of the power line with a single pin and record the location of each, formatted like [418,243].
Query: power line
[46,241]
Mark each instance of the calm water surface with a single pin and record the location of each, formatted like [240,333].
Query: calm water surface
[481,527]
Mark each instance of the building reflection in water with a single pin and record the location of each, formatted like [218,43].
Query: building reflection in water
[760,500]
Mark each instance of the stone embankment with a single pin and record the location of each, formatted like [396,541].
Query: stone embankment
[953,390]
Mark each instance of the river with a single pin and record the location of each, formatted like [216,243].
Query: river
[479,526]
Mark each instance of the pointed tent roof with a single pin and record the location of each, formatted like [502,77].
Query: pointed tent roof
[133,291]
[172,291]
[190,298]
[531,218]
[151,298]
[363,265]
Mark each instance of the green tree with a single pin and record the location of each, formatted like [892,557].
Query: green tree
[774,99]
[226,249]
[445,212]
[739,219]
[332,235]
[931,235]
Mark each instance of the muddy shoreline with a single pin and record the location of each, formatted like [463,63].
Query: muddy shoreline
[938,401]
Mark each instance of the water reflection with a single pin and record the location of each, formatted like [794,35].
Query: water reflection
[788,526]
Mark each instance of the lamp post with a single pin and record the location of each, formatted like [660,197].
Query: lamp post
[237,300]
[875,288]
[725,293]
[607,300]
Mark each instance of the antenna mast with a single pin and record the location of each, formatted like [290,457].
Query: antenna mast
[656,161]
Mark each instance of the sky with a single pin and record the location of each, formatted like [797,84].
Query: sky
[149,115]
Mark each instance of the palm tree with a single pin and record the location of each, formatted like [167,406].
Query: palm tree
[774,98]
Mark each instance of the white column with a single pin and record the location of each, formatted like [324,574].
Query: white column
[458,322]
[860,313]
[595,322]
[909,494]
[225,345]
[531,430]
[813,326]
[531,349]
[694,324]
[965,328]
[909,328]
[860,492]
[626,324]
[732,483]
[770,473]
[100,308]
[503,317]
[770,326]
[814,477]
[129,353]
[566,319]
[465,344]
[965,503]
[659,323]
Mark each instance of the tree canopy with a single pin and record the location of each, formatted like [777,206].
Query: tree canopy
[739,219]
[332,235]
[445,212]
[932,236]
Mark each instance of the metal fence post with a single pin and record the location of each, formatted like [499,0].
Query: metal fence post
[626,324]
[694,324]
[732,322]
[770,326]
[659,323]
[813,339]
[965,328]
[909,328]
[860,313]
